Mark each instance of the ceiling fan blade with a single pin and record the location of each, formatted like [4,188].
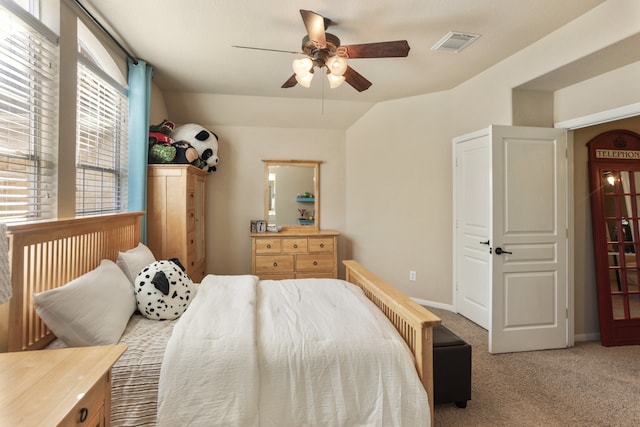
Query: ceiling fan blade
[269,50]
[315,26]
[356,80]
[290,83]
[392,49]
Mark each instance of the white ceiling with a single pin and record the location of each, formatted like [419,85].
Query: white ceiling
[189,43]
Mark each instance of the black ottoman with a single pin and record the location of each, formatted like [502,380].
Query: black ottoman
[451,368]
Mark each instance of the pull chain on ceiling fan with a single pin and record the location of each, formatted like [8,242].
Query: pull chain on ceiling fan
[323,51]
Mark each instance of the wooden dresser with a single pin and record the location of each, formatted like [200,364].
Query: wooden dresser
[176,216]
[294,254]
[63,387]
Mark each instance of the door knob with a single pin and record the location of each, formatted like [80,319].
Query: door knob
[500,251]
[485,243]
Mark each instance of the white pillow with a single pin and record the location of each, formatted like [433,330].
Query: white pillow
[91,310]
[134,260]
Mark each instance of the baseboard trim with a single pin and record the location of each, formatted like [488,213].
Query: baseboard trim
[593,336]
[434,304]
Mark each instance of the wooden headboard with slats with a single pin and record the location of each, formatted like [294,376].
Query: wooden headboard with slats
[45,255]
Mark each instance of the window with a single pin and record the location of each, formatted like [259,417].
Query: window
[101,142]
[29,5]
[28,116]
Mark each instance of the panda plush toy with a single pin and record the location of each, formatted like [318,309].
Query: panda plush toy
[204,141]
[163,291]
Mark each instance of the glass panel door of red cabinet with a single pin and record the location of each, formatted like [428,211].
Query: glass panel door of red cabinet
[614,168]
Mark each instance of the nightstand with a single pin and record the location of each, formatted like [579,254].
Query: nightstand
[61,387]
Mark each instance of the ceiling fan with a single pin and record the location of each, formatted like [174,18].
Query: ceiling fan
[323,50]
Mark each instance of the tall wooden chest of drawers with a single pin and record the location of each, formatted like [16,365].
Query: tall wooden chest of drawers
[176,216]
[294,254]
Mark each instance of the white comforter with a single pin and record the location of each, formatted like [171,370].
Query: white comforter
[311,352]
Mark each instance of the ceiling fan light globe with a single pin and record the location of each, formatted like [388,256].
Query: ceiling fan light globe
[302,66]
[335,81]
[304,79]
[337,65]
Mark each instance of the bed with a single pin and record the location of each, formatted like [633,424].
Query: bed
[48,254]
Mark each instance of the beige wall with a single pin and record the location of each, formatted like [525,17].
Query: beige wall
[386,180]
[598,94]
[399,194]
[235,192]
[414,233]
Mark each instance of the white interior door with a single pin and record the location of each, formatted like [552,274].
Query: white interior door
[473,222]
[530,277]
[511,190]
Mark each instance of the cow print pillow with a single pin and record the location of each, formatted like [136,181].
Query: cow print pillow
[163,290]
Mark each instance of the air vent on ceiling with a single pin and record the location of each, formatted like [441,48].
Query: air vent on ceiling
[455,41]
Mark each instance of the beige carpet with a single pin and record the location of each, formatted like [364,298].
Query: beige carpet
[586,385]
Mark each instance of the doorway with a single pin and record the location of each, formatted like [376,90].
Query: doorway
[586,319]
[614,175]
[511,238]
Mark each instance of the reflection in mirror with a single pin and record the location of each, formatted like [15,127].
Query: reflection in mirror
[292,193]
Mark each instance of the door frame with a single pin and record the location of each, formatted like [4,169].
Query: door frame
[482,133]
[570,318]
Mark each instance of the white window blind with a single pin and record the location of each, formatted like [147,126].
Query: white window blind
[101,142]
[28,116]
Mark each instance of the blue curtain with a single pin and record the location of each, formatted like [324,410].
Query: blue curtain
[139,102]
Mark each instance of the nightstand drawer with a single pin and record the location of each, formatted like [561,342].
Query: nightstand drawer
[274,264]
[268,246]
[89,411]
[320,262]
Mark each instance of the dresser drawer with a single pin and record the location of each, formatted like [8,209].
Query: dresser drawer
[191,220]
[191,199]
[294,254]
[89,408]
[192,241]
[316,275]
[196,271]
[281,276]
[274,264]
[313,262]
[324,244]
[268,246]
[293,246]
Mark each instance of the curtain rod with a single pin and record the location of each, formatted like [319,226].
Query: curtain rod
[104,30]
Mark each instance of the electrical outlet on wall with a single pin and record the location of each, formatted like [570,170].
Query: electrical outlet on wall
[412,275]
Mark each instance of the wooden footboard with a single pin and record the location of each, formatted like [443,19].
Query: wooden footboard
[412,321]
[48,254]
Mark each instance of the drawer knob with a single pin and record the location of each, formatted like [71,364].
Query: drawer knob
[269,246]
[84,414]
[321,245]
[275,264]
[295,246]
[315,262]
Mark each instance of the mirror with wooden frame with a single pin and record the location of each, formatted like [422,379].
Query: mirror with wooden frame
[292,194]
